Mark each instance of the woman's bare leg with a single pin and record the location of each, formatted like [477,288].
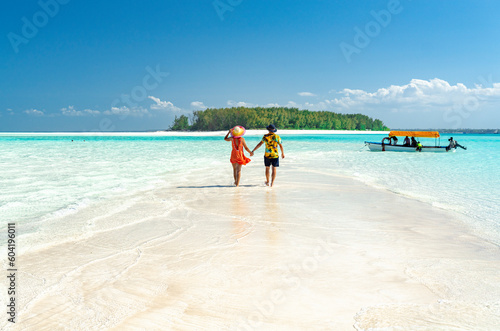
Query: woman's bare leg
[238,174]
[235,172]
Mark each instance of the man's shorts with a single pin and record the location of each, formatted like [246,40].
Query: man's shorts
[274,162]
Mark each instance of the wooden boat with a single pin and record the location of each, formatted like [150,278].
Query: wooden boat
[390,147]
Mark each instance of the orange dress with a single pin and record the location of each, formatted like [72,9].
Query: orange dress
[237,155]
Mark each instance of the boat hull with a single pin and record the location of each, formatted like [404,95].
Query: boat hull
[377,147]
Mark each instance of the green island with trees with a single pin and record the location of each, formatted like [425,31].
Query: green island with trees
[218,119]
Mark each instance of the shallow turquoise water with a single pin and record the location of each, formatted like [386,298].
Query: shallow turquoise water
[43,177]
[464,181]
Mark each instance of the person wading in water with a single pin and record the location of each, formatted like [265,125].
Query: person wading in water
[271,156]
[238,158]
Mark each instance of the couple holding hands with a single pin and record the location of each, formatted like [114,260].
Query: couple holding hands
[271,156]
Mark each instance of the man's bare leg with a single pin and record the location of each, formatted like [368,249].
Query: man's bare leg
[273,176]
[267,176]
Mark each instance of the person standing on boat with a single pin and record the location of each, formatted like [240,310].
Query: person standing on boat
[406,142]
[413,142]
[271,156]
[453,144]
[395,140]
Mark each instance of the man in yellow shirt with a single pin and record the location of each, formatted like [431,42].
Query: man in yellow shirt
[271,156]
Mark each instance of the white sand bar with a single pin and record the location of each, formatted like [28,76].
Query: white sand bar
[317,252]
[189,133]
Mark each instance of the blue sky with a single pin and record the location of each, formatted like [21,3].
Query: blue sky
[72,65]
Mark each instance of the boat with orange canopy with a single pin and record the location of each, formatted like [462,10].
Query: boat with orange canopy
[390,143]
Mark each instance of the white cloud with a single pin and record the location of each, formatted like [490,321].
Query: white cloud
[231,103]
[71,111]
[34,112]
[162,105]
[198,105]
[424,103]
[91,112]
[125,111]
[415,96]
[292,104]
[159,104]
[306,94]
[289,104]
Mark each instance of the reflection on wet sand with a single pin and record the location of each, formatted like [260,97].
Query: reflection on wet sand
[239,211]
[272,215]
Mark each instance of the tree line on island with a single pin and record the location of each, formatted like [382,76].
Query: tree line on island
[217,119]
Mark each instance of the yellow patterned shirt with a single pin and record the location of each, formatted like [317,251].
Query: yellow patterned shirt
[271,141]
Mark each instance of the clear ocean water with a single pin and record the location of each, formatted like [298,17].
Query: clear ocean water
[43,177]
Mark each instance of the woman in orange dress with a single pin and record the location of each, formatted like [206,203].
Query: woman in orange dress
[238,158]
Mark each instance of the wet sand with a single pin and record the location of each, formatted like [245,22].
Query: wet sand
[316,252]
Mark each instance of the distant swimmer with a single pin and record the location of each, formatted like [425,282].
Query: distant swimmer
[271,155]
[238,158]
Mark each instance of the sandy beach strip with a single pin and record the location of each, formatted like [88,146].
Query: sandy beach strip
[316,252]
[191,133]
